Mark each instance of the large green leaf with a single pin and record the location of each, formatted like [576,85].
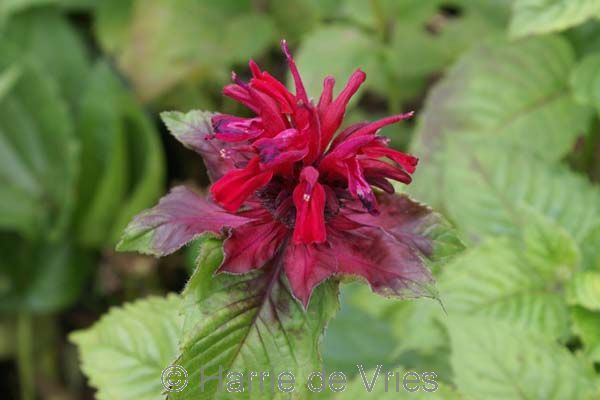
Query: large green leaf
[495,359]
[53,43]
[181,40]
[585,81]
[146,164]
[125,353]
[38,155]
[586,325]
[543,16]
[496,181]
[248,322]
[103,181]
[515,279]
[40,277]
[515,93]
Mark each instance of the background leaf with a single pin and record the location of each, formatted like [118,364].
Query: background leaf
[514,363]
[543,16]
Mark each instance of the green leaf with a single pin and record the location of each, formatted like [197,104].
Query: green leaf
[338,51]
[125,353]
[49,40]
[40,277]
[584,290]
[8,77]
[103,181]
[357,388]
[38,155]
[589,249]
[543,16]
[514,93]
[248,322]
[585,81]
[344,346]
[494,359]
[146,163]
[586,325]
[167,33]
[498,279]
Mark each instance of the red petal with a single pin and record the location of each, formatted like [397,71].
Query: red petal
[333,114]
[309,199]
[234,188]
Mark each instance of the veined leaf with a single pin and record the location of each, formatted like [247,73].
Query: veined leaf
[586,325]
[584,290]
[543,16]
[125,353]
[494,359]
[585,81]
[514,93]
[248,322]
[496,181]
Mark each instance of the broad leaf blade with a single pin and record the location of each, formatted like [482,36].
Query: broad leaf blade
[495,360]
[125,353]
[248,322]
[543,16]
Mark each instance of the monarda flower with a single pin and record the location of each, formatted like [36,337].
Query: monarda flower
[289,186]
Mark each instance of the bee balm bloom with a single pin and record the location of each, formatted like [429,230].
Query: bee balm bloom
[290,187]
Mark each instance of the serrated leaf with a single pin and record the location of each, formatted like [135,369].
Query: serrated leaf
[495,279]
[167,33]
[248,322]
[585,81]
[586,325]
[125,353]
[543,16]
[40,277]
[497,181]
[584,290]
[493,359]
[515,93]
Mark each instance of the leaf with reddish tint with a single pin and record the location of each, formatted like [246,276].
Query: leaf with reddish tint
[178,218]
[249,322]
[193,130]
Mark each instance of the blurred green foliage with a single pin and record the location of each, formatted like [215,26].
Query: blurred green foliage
[507,95]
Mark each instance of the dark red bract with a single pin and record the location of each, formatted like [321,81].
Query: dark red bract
[287,183]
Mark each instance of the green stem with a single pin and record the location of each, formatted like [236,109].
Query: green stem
[25,355]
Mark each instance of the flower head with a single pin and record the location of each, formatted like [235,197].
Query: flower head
[288,182]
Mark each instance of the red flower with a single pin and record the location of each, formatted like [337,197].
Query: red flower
[291,187]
